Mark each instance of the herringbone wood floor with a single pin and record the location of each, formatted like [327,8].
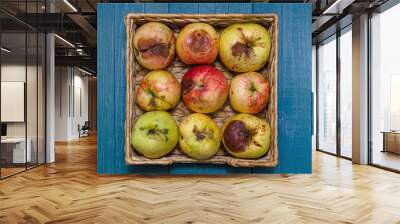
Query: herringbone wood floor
[69,191]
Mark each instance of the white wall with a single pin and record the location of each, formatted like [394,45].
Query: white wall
[71,87]
[62,82]
[16,72]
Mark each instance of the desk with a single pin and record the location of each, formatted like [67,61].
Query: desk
[16,147]
[391,141]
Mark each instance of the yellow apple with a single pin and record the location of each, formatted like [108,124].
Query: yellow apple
[200,136]
[244,47]
[246,136]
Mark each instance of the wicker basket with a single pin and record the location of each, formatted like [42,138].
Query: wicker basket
[135,73]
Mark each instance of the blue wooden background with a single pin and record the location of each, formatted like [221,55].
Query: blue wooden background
[294,89]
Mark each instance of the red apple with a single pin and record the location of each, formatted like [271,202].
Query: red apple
[154,45]
[204,89]
[158,90]
[249,92]
[197,43]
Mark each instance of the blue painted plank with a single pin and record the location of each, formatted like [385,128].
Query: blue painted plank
[221,8]
[207,8]
[183,8]
[262,8]
[121,10]
[240,8]
[294,83]
[156,8]
[106,91]
[294,87]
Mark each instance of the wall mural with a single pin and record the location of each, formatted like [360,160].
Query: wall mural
[204,88]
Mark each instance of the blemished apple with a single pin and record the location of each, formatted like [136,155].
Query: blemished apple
[197,43]
[158,90]
[200,136]
[249,92]
[244,47]
[204,89]
[246,136]
[154,45]
[155,134]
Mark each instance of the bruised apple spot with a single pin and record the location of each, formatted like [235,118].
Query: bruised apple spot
[151,132]
[150,47]
[236,136]
[199,41]
[199,134]
[144,44]
[187,85]
[239,49]
[243,47]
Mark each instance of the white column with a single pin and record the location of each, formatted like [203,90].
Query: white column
[50,93]
[50,110]
[360,90]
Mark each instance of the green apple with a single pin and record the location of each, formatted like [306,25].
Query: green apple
[244,47]
[246,136]
[200,136]
[155,134]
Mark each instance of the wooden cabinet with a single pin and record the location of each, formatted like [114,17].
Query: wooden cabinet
[391,142]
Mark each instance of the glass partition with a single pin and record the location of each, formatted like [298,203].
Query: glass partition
[346,93]
[13,105]
[22,78]
[385,89]
[327,96]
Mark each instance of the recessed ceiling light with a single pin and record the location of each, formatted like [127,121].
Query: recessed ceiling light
[337,7]
[5,50]
[64,40]
[84,71]
[70,5]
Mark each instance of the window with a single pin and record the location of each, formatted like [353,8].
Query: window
[327,96]
[385,89]
[346,93]
[334,106]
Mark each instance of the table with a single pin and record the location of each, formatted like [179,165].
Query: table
[16,148]
[391,141]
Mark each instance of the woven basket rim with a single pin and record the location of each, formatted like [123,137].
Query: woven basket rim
[194,15]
